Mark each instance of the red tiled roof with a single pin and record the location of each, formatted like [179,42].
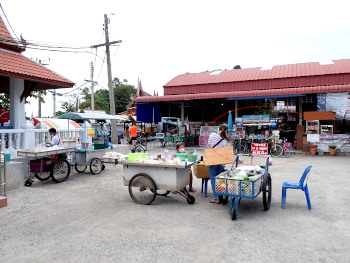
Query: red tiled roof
[16,65]
[250,74]
[6,40]
[246,93]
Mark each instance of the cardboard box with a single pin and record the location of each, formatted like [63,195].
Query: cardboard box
[201,171]
[219,156]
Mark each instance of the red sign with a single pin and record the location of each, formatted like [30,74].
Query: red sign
[4,115]
[260,148]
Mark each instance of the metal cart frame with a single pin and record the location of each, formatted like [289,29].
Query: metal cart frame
[236,189]
[58,170]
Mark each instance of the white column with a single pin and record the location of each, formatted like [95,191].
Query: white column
[17,108]
[18,140]
[3,143]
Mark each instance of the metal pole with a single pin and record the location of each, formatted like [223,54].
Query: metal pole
[54,103]
[92,86]
[110,84]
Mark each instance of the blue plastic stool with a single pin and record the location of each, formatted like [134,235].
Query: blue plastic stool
[205,184]
[302,185]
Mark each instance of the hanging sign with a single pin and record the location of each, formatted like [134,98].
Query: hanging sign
[260,148]
[91,133]
[256,119]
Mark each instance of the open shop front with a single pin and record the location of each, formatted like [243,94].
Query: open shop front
[326,131]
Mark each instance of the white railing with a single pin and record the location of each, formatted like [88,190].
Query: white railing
[18,138]
[42,135]
[11,138]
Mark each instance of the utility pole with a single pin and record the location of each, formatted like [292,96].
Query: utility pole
[110,84]
[39,99]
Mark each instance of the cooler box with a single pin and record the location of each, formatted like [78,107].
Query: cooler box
[99,144]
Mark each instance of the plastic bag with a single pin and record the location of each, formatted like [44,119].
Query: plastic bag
[166,155]
[12,151]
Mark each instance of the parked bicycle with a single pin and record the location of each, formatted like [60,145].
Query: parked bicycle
[139,145]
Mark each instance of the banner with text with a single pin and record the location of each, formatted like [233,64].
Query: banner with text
[259,148]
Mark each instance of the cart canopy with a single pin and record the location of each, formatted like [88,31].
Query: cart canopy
[89,116]
[47,123]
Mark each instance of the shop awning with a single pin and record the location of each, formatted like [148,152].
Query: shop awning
[47,123]
[267,97]
[90,116]
[246,93]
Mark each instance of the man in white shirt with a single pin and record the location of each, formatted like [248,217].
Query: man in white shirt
[55,139]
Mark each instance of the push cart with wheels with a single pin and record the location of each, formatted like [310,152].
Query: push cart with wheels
[145,180]
[236,189]
[48,164]
[91,158]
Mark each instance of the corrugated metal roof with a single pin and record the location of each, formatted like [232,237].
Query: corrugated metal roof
[246,93]
[249,74]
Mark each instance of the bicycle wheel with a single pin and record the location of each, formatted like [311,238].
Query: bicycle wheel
[96,166]
[60,171]
[276,151]
[139,149]
[142,189]
[286,153]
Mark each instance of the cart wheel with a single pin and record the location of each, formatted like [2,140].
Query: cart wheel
[42,176]
[233,214]
[267,190]
[96,166]
[80,168]
[28,182]
[60,171]
[191,199]
[142,189]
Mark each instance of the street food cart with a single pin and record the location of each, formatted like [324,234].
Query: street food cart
[47,163]
[147,178]
[245,181]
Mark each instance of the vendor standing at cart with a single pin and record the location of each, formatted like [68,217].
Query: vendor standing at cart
[55,139]
[217,140]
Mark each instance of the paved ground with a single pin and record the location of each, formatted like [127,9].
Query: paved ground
[93,219]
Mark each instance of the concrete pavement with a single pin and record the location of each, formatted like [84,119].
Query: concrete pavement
[91,218]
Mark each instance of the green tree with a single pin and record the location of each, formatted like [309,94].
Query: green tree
[124,93]
[237,67]
[5,98]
